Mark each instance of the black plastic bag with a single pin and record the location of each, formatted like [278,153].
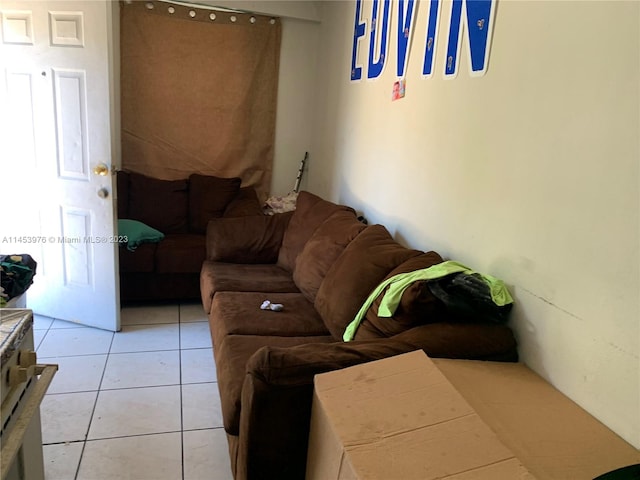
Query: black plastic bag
[468,298]
[16,274]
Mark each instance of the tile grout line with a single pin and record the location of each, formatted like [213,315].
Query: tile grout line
[181,391]
[101,388]
[93,410]
[199,429]
[46,331]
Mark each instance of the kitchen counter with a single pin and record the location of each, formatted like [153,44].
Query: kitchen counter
[23,385]
[14,325]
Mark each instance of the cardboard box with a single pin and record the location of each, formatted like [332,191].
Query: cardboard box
[553,436]
[409,417]
[400,418]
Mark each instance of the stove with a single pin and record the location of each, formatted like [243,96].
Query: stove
[23,384]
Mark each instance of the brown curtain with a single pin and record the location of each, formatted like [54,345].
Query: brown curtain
[199,91]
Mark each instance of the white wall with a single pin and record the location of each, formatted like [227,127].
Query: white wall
[530,173]
[296,102]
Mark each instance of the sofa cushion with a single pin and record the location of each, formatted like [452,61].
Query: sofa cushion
[137,233]
[310,212]
[161,204]
[231,359]
[244,204]
[417,305]
[180,253]
[250,239]
[142,260]
[363,265]
[239,313]
[234,277]
[208,198]
[322,249]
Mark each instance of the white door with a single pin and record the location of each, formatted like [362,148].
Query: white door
[56,61]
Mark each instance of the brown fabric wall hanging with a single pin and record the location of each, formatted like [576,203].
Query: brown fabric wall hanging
[199,91]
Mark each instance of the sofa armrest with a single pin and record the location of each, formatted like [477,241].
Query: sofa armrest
[298,365]
[278,387]
[276,403]
[468,341]
[250,239]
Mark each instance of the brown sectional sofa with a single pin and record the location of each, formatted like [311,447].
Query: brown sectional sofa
[321,263]
[180,209]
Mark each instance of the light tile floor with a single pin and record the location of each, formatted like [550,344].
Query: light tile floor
[138,404]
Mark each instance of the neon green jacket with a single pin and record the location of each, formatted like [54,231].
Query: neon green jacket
[399,283]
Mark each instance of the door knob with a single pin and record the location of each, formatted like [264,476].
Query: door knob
[103,193]
[101,169]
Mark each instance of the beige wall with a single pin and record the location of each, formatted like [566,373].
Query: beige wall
[296,102]
[530,173]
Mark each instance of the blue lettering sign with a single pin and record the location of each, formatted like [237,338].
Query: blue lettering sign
[455,40]
[477,15]
[479,21]
[358,31]
[380,37]
[432,37]
[405,33]
[480,15]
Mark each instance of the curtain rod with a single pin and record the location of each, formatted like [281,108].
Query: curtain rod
[205,6]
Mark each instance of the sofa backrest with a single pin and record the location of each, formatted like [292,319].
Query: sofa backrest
[245,204]
[182,206]
[311,211]
[363,264]
[322,249]
[161,204]
[208,198]
[418,306]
